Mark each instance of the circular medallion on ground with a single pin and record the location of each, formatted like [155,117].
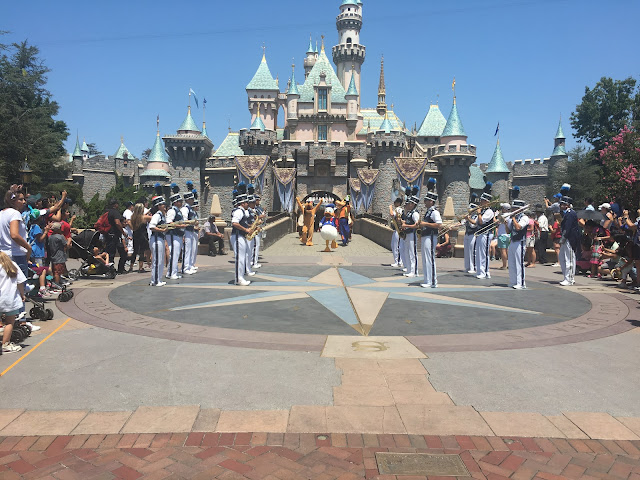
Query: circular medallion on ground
[321,300]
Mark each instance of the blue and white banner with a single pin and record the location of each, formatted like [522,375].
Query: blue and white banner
[367,177]
[284,178]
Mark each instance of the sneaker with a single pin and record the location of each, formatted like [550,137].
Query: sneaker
[493,258]
[555,264]
[161,284]
[243,283]
[411,275]
[10,348]
[565,283]
[21,315]
[471,271]
[425,285]
[175,277]
[251,274]
[394,265]
[481,277]
[518,287]
[404,269]
[256,265]
[42,291]
[34,328]
[189,272]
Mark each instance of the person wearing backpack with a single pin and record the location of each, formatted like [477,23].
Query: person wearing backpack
[113,237]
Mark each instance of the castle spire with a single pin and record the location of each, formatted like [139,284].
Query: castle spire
[454,127]
[382,93]
[77,152]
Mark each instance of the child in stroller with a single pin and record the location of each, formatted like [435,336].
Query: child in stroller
[95,261]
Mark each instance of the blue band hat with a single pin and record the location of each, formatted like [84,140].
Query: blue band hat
[411,194]
[431,190]
[486,193]
[515,194]
[159,198]
[190,190]
[240,193]
[176,197]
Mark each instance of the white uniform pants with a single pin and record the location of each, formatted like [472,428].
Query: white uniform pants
[248,262]
[395,247]
[516,263]
[482,255]
[256,249]
[429,243]
[175,247]
[402,251]
[241,247]
[568,262]
[190,247]
[156,244]
[232,239]
[411,253]
[470,253]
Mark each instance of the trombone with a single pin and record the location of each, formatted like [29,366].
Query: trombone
[498,219]
[457,221]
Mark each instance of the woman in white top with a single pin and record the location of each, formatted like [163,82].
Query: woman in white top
[11,299]
[13,232]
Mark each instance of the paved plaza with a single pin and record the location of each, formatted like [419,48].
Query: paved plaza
[324,361]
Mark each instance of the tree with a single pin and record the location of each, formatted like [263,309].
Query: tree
[620,160]
[96,207]
[93,149]
[28,128]
[145,154]
[605,110]
[583,173]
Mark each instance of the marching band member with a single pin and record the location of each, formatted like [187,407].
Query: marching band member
[430,225]
[395,211]
[410,224]
[240,223]
[196,209]
[258,238]
[470,225]
[232,237]
[569,242]
[482,241]
[175,235]
[157,238]
[516,225]
[251,212]
[190,234]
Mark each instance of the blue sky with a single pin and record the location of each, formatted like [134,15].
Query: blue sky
[116,65]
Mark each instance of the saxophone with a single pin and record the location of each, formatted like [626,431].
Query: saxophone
[395,223]
[254,229]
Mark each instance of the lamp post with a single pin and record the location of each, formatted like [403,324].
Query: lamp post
[25,175]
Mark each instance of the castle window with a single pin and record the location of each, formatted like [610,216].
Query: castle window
[322,99]
[349,41]
[322,132]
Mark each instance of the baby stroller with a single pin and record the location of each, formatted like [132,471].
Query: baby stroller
[82,247]
[32,295]
[20,331]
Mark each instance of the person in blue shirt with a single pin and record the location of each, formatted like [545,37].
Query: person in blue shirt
[38,233]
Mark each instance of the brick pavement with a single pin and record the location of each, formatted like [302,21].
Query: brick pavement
[278,456]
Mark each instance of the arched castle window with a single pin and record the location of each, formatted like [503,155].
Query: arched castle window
[349,41]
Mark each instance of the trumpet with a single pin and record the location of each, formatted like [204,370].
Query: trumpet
[498,219]
[184,223]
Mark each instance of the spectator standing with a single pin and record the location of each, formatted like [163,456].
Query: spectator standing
[58,247]
[11,299]
[13,232]
[114,239]
[38,233]
[531,241]
[139,222]
[543,241]
[556,235]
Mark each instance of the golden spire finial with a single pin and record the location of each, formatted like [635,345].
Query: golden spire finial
[121,139]
[453,87]
[264,52]
[322,36]
[158,125]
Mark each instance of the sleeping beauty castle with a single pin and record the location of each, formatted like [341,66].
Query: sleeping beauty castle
[320,137]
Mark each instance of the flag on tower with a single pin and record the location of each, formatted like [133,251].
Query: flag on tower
[453,84]
[195,99]
[204,102]
[497,130]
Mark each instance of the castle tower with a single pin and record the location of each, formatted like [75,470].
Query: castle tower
[498,173]
[432,126]
[293,95]
[453,158]
[77,158]
[349,55]
[352,104]
[382,92]
[559,160]
[157,170]
[263,89]
[310,59]
[85,150]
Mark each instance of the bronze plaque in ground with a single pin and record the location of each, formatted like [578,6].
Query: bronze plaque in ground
[421,464]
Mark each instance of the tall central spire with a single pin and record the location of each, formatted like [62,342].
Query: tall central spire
[382,91]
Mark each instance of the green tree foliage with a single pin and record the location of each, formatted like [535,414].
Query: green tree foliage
[620,160]
[145,155]
[93,149]
[583,173]
[605,110]
[96,207]
[28,128]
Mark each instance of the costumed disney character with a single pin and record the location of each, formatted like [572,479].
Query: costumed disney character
[410,225]
[430,225]
[309,213]
[329,228]
[344,213]
[482,241]
[157,232]
[176,234]
[516,226]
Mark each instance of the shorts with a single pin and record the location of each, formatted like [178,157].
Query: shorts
[59,268]
[503,241]
[531,241]
[12,313]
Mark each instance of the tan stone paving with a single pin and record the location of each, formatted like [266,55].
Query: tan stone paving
[290,246]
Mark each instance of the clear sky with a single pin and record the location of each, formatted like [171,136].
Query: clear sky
[115,65]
